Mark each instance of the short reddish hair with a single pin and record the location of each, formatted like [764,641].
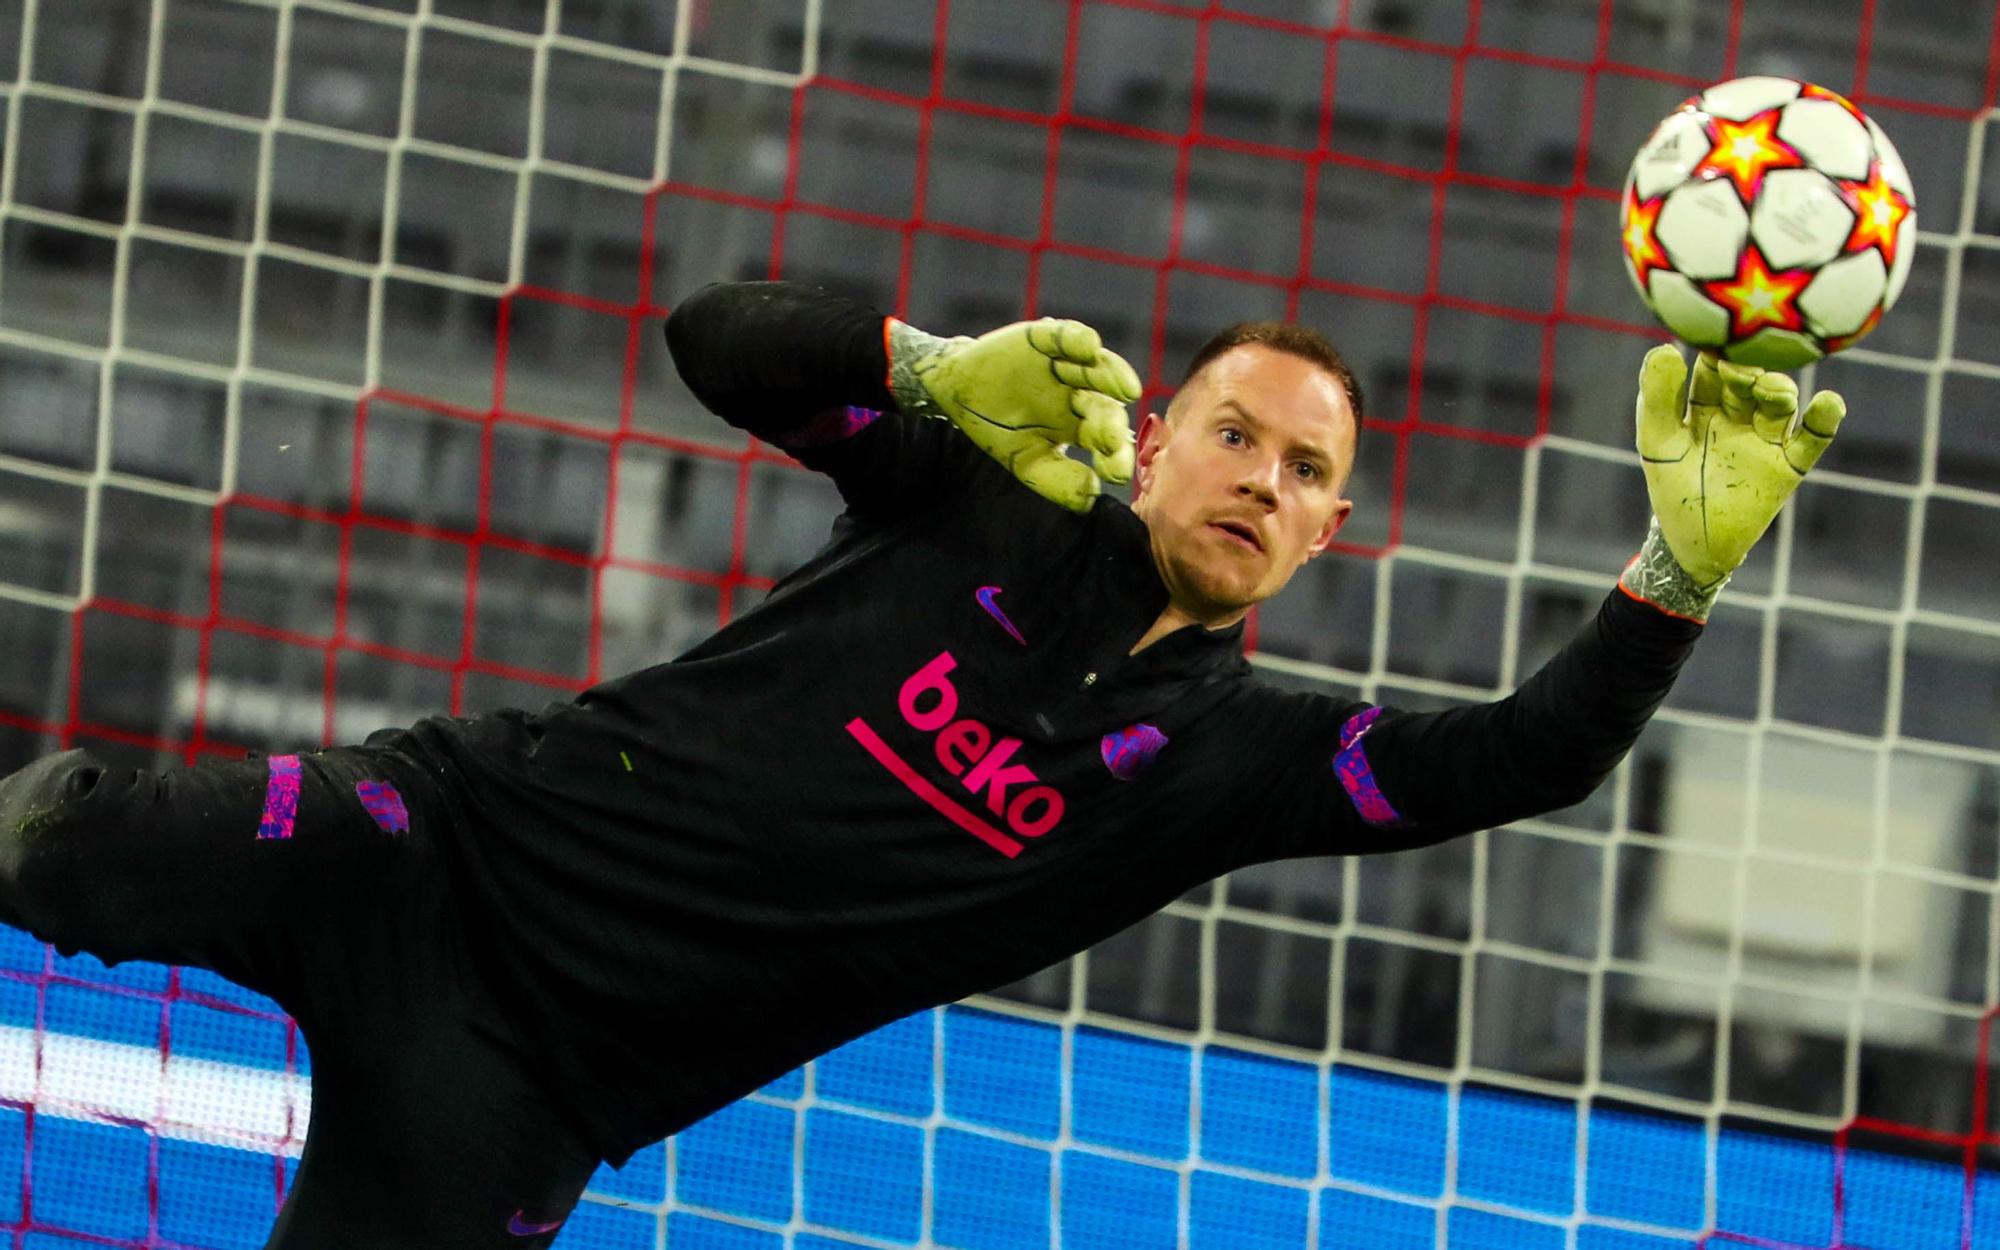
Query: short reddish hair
[1293,339]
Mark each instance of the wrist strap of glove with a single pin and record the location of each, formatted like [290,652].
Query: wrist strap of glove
[912,353]
[1654,576]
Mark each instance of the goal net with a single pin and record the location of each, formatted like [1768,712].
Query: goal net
[332,396]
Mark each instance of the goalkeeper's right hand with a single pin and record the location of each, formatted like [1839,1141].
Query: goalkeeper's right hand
[1024,393]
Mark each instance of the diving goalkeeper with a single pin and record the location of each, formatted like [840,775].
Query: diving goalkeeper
[998,717]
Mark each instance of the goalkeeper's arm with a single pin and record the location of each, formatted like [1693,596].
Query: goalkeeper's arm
[805,369]
[1321,775]
[1722,452]
[772,358]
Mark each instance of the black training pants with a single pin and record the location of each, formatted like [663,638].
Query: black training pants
[316,880]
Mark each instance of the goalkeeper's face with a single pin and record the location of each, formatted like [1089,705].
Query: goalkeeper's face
[1240,484]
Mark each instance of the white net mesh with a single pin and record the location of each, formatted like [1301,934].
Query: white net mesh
[330,398]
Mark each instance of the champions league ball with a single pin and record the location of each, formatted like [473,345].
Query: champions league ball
[1769,221]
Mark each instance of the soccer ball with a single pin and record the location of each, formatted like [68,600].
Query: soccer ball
[1769,221]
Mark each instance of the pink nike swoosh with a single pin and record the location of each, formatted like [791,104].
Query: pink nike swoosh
[520,1226]
[986,596]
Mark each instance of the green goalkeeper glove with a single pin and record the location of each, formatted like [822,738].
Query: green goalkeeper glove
[1718,468]
[1024,393]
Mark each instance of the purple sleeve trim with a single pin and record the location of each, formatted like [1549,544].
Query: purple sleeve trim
[281,798]
[832,426]
[382,802]
[1351,766]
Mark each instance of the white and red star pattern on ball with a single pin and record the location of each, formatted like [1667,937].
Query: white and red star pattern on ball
[1642,244]
[1745,151]
[1759,296]
[1770,221]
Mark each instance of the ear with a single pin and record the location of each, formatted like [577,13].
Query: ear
[1341,511]
[1153,432]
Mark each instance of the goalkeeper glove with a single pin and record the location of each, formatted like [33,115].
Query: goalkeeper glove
[1718,468]
[1024,393]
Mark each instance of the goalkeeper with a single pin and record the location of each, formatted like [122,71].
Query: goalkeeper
[996,719]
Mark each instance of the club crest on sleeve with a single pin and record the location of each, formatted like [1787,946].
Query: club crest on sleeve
[384,804]
[1129,750]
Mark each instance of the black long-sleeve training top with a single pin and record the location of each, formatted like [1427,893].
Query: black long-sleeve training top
[927,765]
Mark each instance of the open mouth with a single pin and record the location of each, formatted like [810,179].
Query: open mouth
[1241,533]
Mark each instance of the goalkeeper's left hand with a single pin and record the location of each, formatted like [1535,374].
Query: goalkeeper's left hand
[1721,466]
[1024,393]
